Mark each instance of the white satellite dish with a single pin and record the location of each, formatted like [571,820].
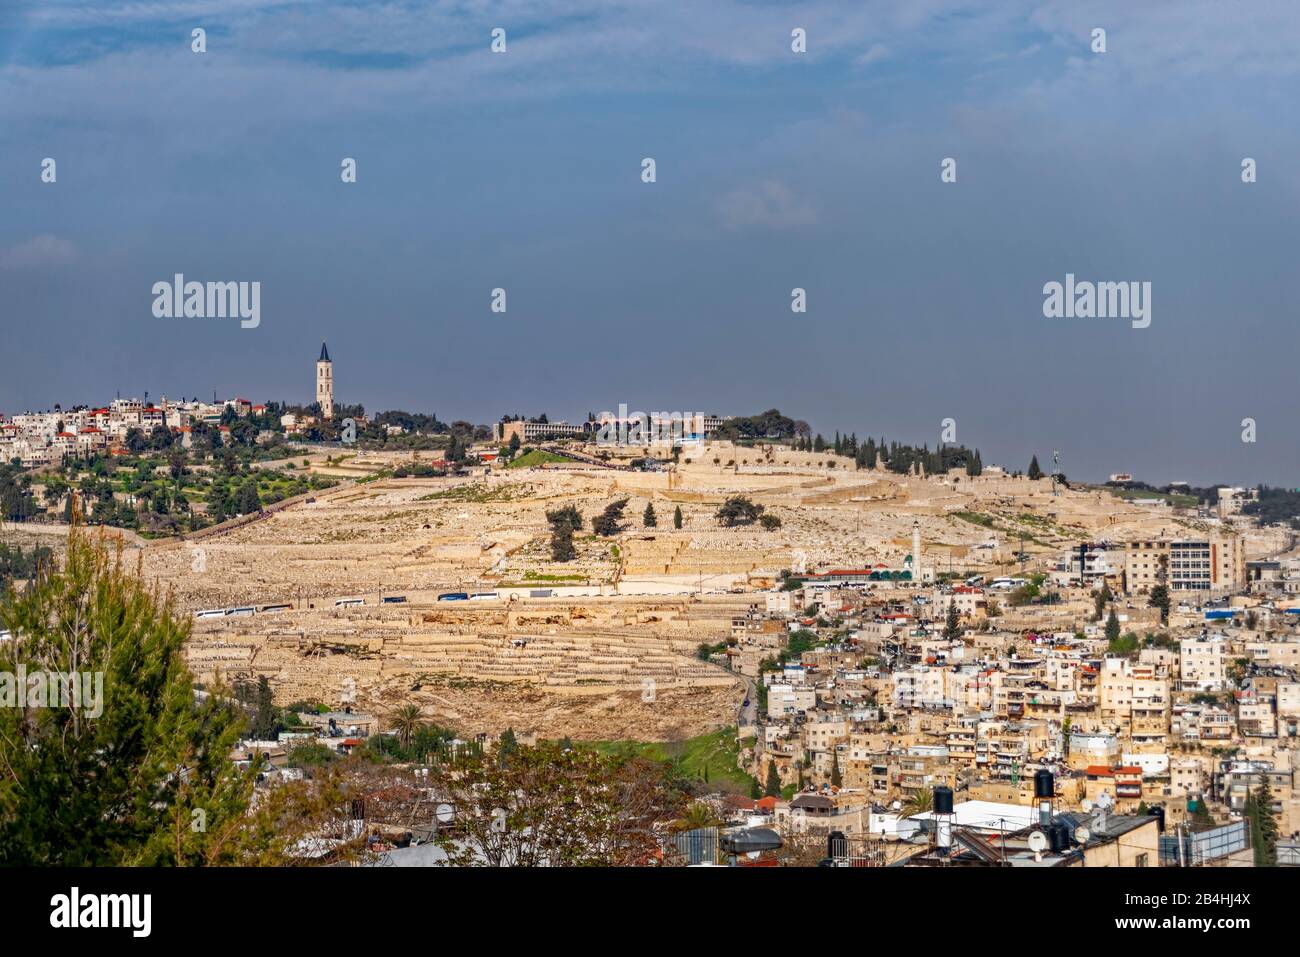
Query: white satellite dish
[1081,834]
[1105,801]
[445,813]
[1037,841]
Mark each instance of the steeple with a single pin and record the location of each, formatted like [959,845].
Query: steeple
[325,383]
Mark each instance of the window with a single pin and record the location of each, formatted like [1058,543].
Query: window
[1141,861]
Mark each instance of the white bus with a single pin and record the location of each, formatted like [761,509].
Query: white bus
[1006,584]
[211,613]
[349,602]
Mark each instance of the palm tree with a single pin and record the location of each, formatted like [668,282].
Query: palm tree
[407,723]
[697,814]
[920,802]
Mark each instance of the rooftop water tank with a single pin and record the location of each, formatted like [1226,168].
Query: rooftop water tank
[1044,785]
[943,800]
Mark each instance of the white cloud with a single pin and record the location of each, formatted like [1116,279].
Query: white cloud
[43,250]
[769,205]
[875,54]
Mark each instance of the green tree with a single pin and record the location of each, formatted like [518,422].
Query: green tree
[606,523]
[738,510]
[266,720]
[1263,824]
[919,802]
[1100,599]
[677,517]
[837,779]
[407,724]
[1160,599]
[1034,471]
[562,547]
[1112,626]
[100,784]
[773,788]
[952,624]
[248,501]
[648,518]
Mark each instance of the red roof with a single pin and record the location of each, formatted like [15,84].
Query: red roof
[766,804]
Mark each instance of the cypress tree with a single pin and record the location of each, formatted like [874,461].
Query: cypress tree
[773,788]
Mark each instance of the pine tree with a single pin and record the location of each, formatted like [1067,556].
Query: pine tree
[837,780]
[648,519]
[1034,471]
[96,784]
[677,517]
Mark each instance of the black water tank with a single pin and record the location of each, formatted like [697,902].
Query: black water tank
[943,800]
[1058,836]
[1044,785]
[1158,812]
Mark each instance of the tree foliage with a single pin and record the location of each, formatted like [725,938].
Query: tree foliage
[126,785]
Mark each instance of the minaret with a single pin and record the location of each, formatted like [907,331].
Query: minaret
[916,550]
[325,383]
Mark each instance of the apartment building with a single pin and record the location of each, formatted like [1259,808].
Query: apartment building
[531,431]
[1203,663]
[1215,564]
[1135,697]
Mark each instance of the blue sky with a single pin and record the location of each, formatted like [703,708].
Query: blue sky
[775,170]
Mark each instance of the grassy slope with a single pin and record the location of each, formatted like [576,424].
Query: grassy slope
[717,752]
[535,457]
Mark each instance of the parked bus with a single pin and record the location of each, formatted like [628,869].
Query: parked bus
[393,600]
[211,613]
[454,596]
[349,602]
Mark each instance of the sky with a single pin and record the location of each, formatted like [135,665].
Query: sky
[774,170]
